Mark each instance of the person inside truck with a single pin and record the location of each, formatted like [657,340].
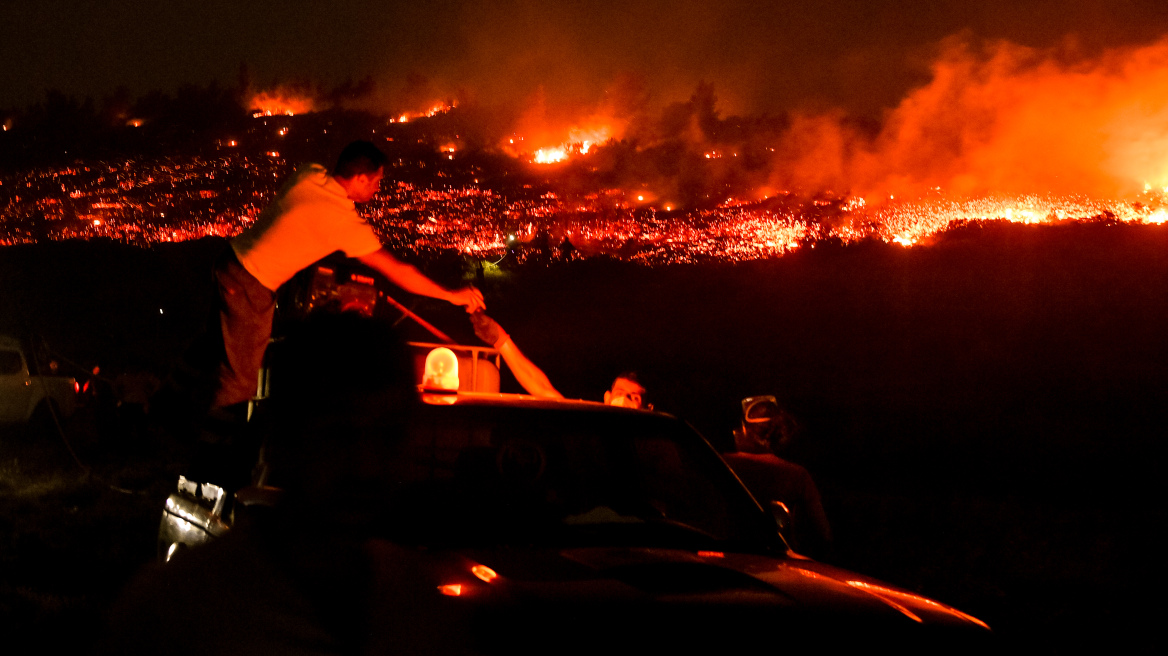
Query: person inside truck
[626,390]
[312,216]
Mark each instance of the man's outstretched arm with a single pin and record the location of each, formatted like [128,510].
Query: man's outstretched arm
[410,279]
[531,377]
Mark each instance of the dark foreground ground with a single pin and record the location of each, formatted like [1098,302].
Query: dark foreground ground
[985,417]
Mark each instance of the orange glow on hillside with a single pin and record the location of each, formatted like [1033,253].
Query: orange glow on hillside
[550,155]
[278,103]
[433,110]
[578,142]
[1000,134]
[545,133]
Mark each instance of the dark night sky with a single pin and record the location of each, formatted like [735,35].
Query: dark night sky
[858,55]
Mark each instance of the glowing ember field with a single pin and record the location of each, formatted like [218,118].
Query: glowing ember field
[680,182]
[181,199]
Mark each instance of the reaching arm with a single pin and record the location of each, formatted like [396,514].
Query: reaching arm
[531,377]
[410,279]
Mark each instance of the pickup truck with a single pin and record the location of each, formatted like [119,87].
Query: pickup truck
[24,393]
[524,525]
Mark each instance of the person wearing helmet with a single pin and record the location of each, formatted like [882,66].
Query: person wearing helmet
[767,430]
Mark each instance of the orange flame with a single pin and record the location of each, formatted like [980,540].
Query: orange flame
[550,155]
[279,103]
[433,110]
[579,141]
[546,135]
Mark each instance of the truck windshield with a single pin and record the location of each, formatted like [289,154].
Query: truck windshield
[497,475]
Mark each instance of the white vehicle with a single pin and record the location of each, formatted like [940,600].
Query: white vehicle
[23,393]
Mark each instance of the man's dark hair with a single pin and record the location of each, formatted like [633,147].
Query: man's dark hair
[359,157]
[630,376]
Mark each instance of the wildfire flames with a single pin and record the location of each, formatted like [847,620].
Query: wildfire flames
[579,142]
[1003,119]
[279,103]
[1000,133]
[434,110]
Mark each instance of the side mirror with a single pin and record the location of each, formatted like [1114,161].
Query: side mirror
[259,495]
[781,513]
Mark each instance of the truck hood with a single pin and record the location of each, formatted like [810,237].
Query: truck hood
[685,598]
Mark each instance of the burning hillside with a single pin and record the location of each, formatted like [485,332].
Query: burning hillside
[996,118]
[1000,133]
[276,103]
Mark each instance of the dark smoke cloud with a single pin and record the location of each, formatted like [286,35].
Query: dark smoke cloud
[702,100]
[997,117]
[764,57]
[994,117]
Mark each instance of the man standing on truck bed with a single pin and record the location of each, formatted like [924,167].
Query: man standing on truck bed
[311,217]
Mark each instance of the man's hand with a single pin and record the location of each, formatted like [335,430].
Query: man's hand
[470,298]
[487,329]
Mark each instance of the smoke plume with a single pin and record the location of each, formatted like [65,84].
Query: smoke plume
[1001,118]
